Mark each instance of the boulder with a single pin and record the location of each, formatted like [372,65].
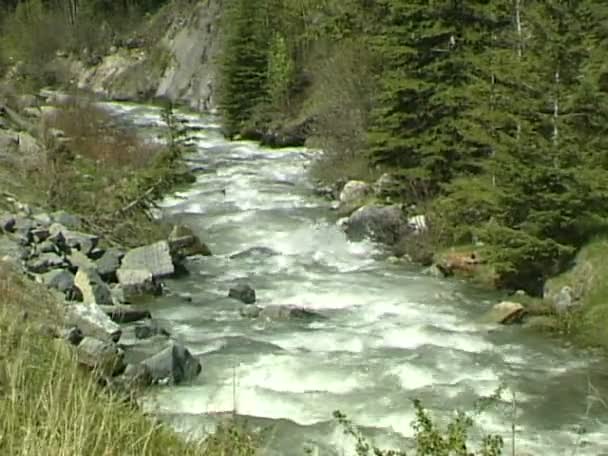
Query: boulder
[59,279]
[45,262]
[354,191]
[183,242]
[254,252]
[46,247]
[505,312]
[79,260]
[104,357]
[72,335]
[385,224]
[93,289]
[92,321]
[136,376]
[155,258]
[109,263]
[70,221]
[63,237]
[40,234]
[135,282]
[248,311]
[173,365]
[150,329]
[243,293]
[123,314]
[7,223]
[289,312]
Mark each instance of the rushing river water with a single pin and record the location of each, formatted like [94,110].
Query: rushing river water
[391,333]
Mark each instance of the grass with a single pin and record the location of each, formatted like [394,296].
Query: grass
[51,406]
[104,173]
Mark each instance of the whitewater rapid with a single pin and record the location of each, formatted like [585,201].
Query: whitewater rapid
[390,334]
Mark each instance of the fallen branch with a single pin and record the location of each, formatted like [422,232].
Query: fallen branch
[136,202]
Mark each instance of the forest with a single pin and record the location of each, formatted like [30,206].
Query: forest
[490,115]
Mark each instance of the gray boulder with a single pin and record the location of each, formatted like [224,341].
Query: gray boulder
[93,289]
[70,221]
[7,223]
[136,376]
[59,279]
[505,312]
[289,312]
[40,234]
[104,357]
[109,263]
[62,237]
[150,329]
[385,224]
[250,311]
[46,247]
[183,242]
[243,293]
[79,260]
[123,314]
[45,262]
[173,365]
[135,282]
[155,258]
[92,321]
[354,191]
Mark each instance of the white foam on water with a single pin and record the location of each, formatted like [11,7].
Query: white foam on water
[289,374]
[323,342]
[418,335]
[412,377]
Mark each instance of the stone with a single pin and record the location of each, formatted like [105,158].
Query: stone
[69,221]
[433,271]
[289,312]
[137,376]
[92,321]
[564,300]
[173,365]
[45,262]
[104,357]
[59,279]
[155,258]
[79,260]
[354,191]
[46,247]
[7,223]
[81,241]
[243,293]
[385,224]
[505,312]
[109,263]
[183,242]
[124,314]
[73,335]
[248,311]
[136,282]
[150,329]
[93,289]
[40,234]
[254,252]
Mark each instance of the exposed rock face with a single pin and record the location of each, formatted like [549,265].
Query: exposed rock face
[505,313]
[136,282]
[93,289]
[173,365]
[385,224]
[184,242]
[155,258]
[103,357]
[186,73]
[243,293]
[92,321]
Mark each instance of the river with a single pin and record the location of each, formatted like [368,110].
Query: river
[391,333]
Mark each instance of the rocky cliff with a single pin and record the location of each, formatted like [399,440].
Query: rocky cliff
[181,66]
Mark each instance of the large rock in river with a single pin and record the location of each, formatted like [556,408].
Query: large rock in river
[505,312]
[173,365]
[184,242]
[288,312]
[92,321]
[155,258]
[386,224]
[243,293]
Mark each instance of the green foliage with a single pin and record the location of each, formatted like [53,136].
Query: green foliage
[430,439]
[280,71]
